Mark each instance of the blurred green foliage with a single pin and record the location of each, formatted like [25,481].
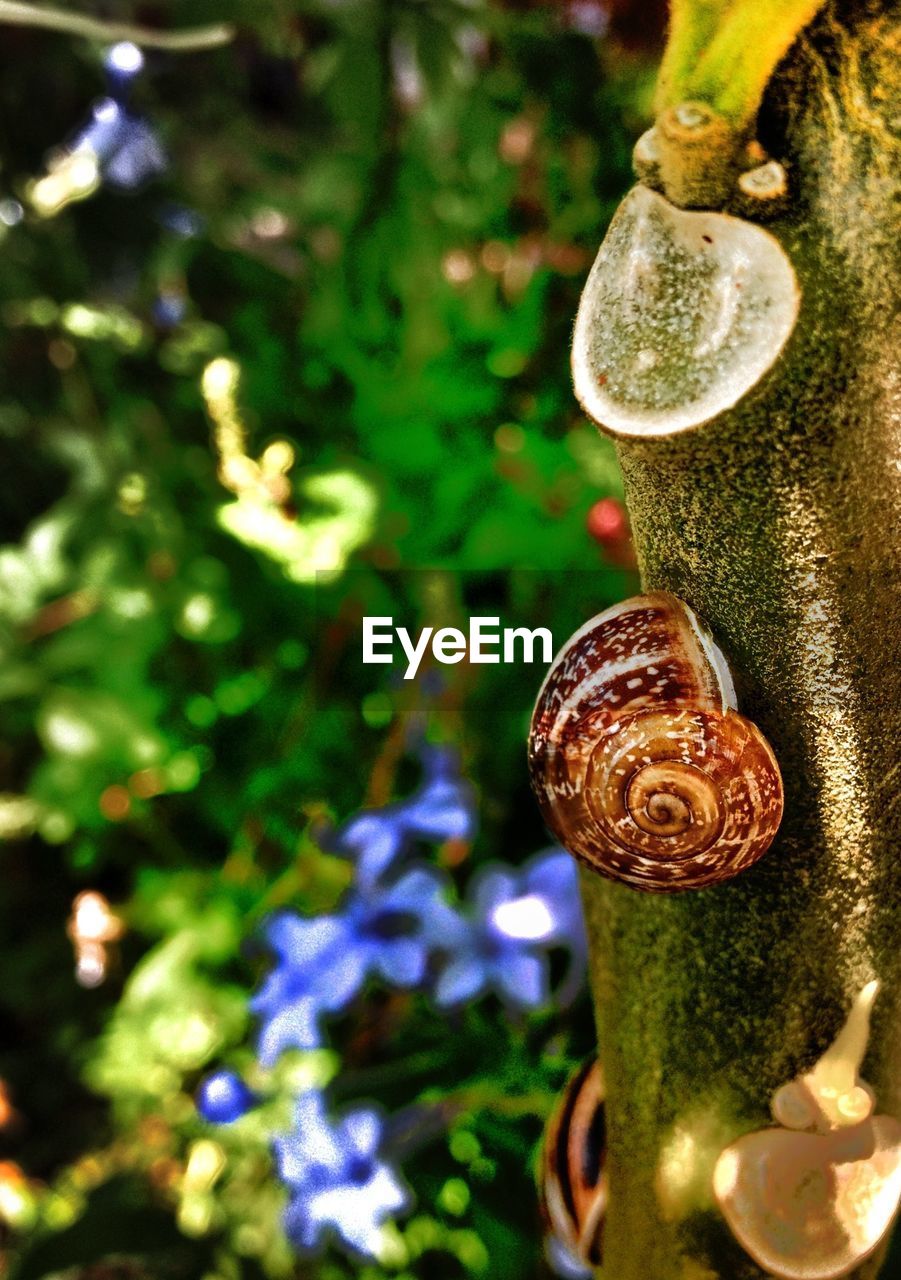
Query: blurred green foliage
[329,344]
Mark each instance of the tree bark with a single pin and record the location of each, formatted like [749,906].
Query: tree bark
[780,524]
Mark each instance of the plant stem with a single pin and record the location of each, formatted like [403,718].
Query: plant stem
[189,40]
[779,523]
[724,54]
[737,65]
[692,25]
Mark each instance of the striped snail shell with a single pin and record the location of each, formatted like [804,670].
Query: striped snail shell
[642,766]
[573,1169]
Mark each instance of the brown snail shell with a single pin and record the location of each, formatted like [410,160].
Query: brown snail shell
[573,1168]
[642,767]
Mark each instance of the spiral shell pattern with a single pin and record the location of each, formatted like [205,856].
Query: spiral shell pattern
[642,767]
[573,1166]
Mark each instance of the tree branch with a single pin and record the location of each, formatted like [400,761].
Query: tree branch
[692,24]
[751,41]
[189,40]
[777,522]
[724,54]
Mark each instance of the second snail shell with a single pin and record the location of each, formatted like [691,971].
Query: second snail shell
[573,1181]
[643,768]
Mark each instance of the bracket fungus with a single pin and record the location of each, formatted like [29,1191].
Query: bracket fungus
[815,1196]
[682,313]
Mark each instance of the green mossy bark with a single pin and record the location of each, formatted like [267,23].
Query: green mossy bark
[780,523]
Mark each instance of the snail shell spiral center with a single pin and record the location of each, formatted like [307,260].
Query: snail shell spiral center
[664,813]
[646,795]
[668,797]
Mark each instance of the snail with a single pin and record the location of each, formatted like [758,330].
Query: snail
[682,313]
[815,1196]
[573,1167]
[642,766]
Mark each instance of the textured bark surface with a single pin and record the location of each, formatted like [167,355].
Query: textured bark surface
[780,524]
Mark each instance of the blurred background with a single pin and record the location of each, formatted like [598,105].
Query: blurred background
[291,975]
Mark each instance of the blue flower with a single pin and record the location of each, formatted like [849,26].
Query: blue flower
[126,148]
[443,808]
[337,1180]
[389,931]
[223,1097]
[374,839]
[517,916]
[393,930]
[122,62]
[498,952]
[553,876]
[302,985]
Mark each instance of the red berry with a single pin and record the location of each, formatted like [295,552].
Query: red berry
[607,521]
[608,524]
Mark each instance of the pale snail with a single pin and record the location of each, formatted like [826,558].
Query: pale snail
[642,766]
[572,1172]
[815,1196]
